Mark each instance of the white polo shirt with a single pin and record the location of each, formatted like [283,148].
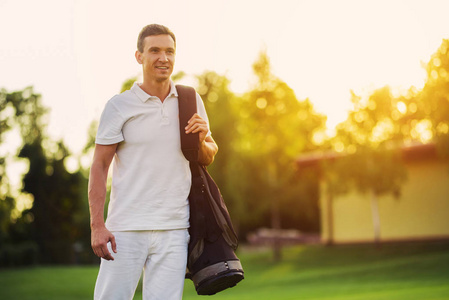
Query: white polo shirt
[150,176]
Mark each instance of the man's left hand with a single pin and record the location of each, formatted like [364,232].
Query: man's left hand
[197,124]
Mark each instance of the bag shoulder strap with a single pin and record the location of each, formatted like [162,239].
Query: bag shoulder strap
[187,108]
[190,149]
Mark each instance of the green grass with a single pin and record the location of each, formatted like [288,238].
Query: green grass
[391,272]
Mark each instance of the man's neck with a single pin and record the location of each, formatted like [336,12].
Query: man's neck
[155,88]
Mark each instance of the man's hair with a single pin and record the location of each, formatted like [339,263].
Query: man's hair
[153,29]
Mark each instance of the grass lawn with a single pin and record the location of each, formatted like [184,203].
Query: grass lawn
[391,272]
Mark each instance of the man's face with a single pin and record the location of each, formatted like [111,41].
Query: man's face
[158,57]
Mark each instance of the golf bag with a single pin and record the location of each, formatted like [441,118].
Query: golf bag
[212,264]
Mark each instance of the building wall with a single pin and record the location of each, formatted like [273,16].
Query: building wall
[421,212]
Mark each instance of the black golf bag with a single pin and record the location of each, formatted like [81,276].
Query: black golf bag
[212,264]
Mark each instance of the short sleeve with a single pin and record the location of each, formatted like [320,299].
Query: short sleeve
[110,127]
[202,111]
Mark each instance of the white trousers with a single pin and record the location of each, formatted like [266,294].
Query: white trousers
[162,254]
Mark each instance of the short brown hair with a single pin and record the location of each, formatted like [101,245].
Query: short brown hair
[153,29]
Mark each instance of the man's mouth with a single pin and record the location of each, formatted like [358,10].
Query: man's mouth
[162,68]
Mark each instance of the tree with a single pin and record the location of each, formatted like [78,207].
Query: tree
[370,139]
[434,99]
[14,227]
[128,84]
[274,127]
[221,106]
[378,127]
[7,203]
[51,224]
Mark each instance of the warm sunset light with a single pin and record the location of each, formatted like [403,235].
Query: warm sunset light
[320,150]
[77,56]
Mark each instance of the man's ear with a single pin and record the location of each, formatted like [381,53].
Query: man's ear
[138,56]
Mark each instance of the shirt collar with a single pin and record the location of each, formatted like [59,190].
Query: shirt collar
[144,97]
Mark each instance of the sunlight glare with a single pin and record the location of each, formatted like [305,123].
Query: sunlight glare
[402,108]
[413,107]
[436,62]
[442,128]
[339,146]
[382,131]
[423,131]
[261,103]
[319,138]
[71,164]
[24,201]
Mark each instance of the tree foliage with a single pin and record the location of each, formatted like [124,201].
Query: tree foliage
[372,137]
[51,224]
[275,128]
[221,106]
[377,128]
[259,134]
[434,98]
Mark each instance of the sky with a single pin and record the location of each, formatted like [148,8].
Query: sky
[77,53]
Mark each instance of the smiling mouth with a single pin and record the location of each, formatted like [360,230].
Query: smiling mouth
[162,68]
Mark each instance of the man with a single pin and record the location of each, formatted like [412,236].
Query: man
[147,222]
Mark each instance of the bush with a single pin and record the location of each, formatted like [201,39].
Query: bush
[22,254]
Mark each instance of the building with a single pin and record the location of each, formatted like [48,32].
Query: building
[421,212]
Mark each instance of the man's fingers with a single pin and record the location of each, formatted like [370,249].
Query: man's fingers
[195,116]
[196,124]
[102,250]
[97,253]
[196,128]
[194,121]
[106,254]
[113,244]
[100,240]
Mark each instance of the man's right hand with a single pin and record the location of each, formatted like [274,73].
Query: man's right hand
[100,238]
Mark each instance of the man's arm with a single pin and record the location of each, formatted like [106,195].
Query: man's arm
[207,151]
[100,236]
[207,148]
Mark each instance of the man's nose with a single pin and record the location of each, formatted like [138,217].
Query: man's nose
[163,57]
